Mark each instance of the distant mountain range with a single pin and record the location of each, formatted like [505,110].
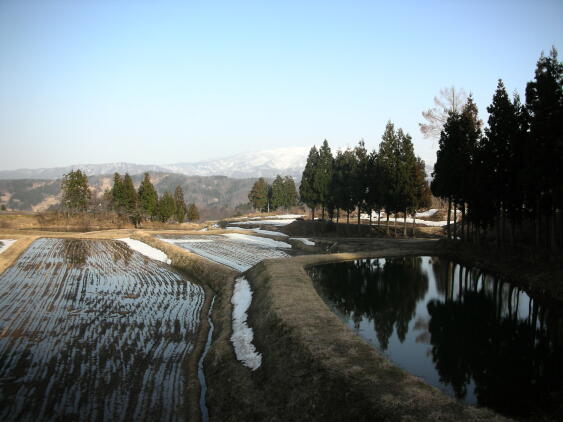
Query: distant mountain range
[284,161]
[207,192]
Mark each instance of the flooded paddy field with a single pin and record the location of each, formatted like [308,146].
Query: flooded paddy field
[475,336]
[237,251]
[91,330]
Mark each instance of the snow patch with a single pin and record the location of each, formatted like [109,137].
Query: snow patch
[6,243]
[428,213]
[259,231]
[262,241]
[242,334]
[304,240]
[146,250]
[267,222]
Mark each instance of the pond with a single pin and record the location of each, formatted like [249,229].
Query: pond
[475,336]
[92,330]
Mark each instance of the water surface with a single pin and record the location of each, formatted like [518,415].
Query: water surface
[91,330]
[474,336]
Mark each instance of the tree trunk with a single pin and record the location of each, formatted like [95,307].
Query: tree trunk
[395,224]
[378,217]
[537,221]
[337,214]
[413,221]
[313,214]
[553,230]
[387,214]
[405,224]
[455,221]
[502,223]
[449,211]
[359,212]
[347,217]
[323,212]
[462,221]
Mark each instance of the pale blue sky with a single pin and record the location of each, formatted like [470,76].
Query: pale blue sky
[92,81]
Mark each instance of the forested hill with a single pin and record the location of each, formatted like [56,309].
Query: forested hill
[205,191]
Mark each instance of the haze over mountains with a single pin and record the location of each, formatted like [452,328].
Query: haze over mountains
[288,161]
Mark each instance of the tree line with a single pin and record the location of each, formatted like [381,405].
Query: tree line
[508,178]
[391,179]
[280,194]
[137,205]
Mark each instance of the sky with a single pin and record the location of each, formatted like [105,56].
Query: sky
[157,82]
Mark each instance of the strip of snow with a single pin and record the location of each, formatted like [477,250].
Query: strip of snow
[428,213]
[242,334]
[287,216]
[146,250]
[428,223]
[304,240]
[259,231]
[6,243]
[262,241]
[266,222]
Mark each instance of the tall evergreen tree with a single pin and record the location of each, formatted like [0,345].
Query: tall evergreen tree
[407,173]
[544,101]
[342,181]
[259,195]
[375,184]
[359,182]
[117,193]
[500,144]
[179,205]
[166,207]
[192,213]
[308,191]
[129,194]
[390,156]
[278,193]
[290,192]
[148,197]
[323,175]
[75,192]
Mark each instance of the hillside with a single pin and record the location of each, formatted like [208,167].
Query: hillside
[205,191]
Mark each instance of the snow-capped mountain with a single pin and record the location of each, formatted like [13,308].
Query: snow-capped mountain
[284,161]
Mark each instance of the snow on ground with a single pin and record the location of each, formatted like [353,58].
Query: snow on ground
[242,334]
[235,254]
[262,241]
[146,250]
[6,243]
[266,222]
[427,222]
[303,240]
[428,213]
[259,231]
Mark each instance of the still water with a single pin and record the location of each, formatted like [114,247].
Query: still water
[474,336]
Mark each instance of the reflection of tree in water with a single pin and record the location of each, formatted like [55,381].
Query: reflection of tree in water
[75,251]
[386,294]
[515,363]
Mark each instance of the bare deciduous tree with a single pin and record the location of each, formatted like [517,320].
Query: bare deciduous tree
[449,99]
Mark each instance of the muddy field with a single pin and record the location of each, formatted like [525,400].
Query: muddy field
[90,330]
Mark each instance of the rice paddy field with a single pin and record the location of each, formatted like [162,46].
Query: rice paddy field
[91,330]
[237,251]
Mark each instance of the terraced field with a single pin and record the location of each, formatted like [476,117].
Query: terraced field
[238,253]
[90,330]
